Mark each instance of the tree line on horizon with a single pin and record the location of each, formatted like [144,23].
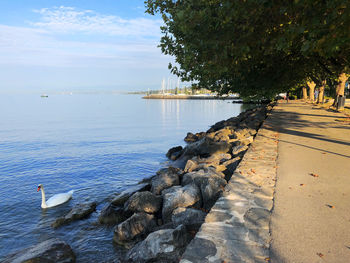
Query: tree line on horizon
[258,48]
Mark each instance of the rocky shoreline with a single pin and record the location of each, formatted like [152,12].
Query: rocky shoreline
[156,219]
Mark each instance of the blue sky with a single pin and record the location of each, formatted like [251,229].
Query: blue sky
[48,45]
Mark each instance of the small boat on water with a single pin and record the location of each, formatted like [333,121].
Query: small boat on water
[44,96]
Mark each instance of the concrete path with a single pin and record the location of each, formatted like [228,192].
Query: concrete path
[310,221]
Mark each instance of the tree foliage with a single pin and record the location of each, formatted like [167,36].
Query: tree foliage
[255,47]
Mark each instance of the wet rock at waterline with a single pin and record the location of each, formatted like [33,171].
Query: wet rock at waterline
[137,225]
[120,199]
[52,250]
[78,212]
[165,245]
[174,153]
[190,137]
[112,214]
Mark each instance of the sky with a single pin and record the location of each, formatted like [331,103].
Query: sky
[49,45]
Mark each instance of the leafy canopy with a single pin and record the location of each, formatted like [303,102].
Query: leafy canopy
[254,47]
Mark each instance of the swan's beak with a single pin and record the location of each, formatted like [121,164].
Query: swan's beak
[38,189]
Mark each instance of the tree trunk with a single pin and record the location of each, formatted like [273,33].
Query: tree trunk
[340,89]
[311,86]
[341,85]
[321,92]
[304,93]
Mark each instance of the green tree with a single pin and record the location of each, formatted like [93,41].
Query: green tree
[253,47]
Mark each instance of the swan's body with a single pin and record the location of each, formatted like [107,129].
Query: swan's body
[54,200]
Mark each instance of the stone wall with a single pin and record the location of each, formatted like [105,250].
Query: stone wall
[237,228]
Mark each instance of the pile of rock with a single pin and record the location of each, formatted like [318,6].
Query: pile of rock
[158,219]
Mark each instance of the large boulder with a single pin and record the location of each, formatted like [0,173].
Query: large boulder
[174,152]
[189,217]
[136,226]
[209,182]
[189,178]
[211,189]
[164,246]
[205,147]
[143,202]
[223,134]
[190,137]
[121,198]
[215,158]
[52,250]
[112,214]
[164,179]
[78,212]
[178,196]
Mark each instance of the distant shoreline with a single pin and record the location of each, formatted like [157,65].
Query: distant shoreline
[190,97]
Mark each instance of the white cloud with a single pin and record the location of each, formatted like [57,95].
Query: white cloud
[70,20]
[90,48]
[28,46]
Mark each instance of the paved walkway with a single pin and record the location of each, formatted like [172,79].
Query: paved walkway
[310,221]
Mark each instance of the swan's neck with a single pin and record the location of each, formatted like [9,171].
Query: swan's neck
[43,199]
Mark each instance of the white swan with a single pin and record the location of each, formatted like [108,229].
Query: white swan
[54,200]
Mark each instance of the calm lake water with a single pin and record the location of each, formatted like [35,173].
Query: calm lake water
[95,144]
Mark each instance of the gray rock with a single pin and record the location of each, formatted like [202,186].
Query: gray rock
[242,133]
[223,134]
[174,152]
[190,137]
[211,188]
[137,225]
[215,158]
[143,202]
[191,165]
[52,250]
[205,147]
[161,246]
[209,182]
[112,215]
[78,212]
[178,196]
[189,178]
[169,170]
[217,126]
[175,155]
[189,217]
[124,196]
[165,178]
